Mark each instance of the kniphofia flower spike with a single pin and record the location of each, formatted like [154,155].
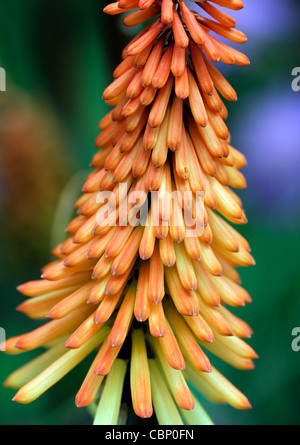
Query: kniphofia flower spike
[152,301]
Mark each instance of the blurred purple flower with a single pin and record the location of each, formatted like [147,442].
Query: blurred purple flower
[264,22]
[267,19]
[269,136]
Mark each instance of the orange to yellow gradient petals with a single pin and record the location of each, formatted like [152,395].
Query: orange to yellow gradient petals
[152,301]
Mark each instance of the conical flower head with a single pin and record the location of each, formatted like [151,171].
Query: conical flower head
[149,268]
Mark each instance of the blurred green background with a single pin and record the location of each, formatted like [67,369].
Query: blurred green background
[59,56]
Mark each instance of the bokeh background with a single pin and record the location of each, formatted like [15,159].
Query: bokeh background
[59,56]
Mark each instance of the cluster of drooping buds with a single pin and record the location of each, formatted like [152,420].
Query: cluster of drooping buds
[149,244]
